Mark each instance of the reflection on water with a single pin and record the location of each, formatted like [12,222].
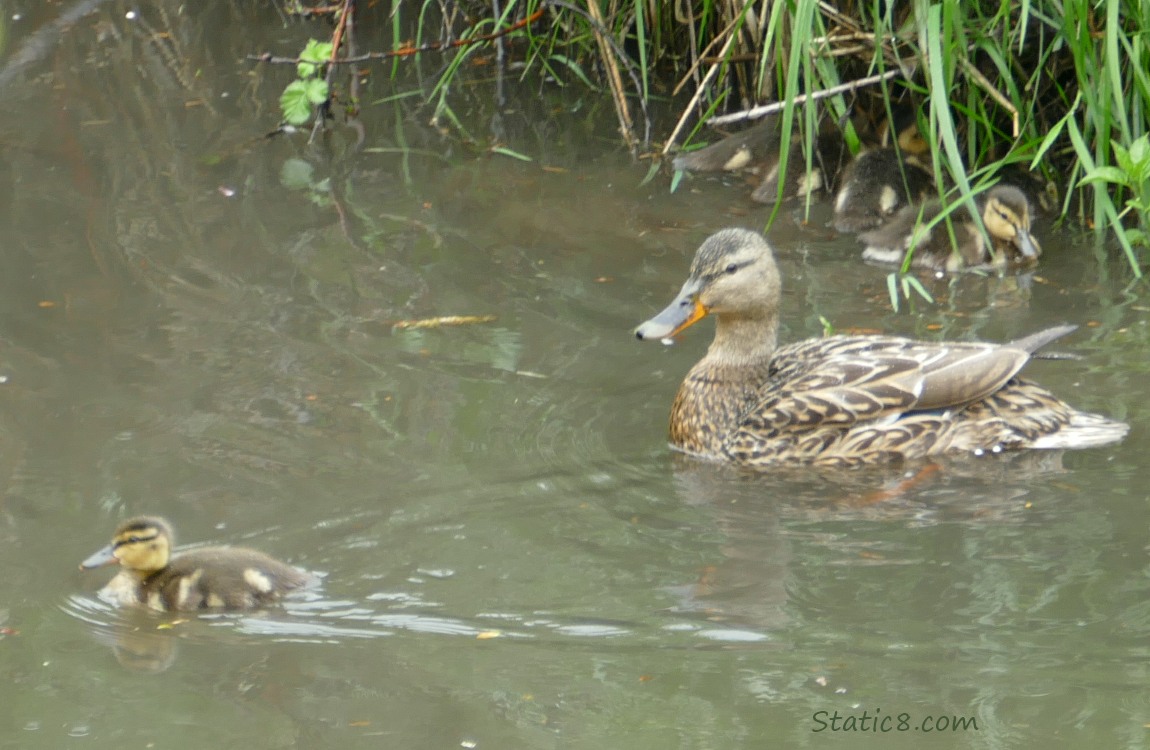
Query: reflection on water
[513,556]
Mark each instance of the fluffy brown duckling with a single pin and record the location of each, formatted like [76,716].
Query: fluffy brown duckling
[204,578]
[742,150]
[846,400]
[881,181]
[1005,213]
[757,150]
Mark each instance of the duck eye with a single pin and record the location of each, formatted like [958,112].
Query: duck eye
[731,268]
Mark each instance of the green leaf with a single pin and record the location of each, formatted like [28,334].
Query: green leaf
[652,173]
[316,52]
[316,91]
[1122,156]
[892,289]
[1140,151]
[314,56]
[1106,174]
[917,286]
[294,103]
[508,152]
[575,68]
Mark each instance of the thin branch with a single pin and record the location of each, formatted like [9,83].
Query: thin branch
[626,124]
[995,94]
[621,54]
[698,94]
[767,109]
[271,59]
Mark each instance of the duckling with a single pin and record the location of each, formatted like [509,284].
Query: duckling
[846,400]
[742,150]
[757,150]
[1039,191]
[826,163]
[880,181]
[210,577]
[1005,213]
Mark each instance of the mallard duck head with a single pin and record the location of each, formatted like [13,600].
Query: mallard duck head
[733,277]
[1006,216]
[142,545]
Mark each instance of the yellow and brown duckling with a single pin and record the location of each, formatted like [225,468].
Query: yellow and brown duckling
[881,181]
[1041,193]
[1005,213]
[205,578]
[758,150]
[846,400]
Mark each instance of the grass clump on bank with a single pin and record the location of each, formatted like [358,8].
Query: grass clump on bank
[1057,86]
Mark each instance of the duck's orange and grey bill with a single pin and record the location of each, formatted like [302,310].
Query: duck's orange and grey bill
[99,559]
[684,311]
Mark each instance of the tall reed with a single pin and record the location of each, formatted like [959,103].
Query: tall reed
[1057,86]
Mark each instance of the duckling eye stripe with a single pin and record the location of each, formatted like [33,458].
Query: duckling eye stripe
[134,540]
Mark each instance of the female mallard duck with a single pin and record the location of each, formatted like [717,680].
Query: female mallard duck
[846,400]
[880,181]
[1005,213]
[758,149]
[209,577]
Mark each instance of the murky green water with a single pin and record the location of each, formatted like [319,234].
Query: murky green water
[511,556]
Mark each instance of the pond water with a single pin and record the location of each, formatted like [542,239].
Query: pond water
[200,323]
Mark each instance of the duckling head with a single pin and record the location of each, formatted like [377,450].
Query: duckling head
[1007,218]
[733,276]
[140,545]
[907,134]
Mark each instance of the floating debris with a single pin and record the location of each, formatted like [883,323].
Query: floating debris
[446,320]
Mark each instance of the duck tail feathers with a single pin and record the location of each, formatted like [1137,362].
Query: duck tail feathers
[1084,430]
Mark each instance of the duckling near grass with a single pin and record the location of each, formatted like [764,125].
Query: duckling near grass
[757,150]
[1005,213]
[880,181]
[204,578]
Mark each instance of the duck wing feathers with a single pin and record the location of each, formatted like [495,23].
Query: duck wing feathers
[843,381]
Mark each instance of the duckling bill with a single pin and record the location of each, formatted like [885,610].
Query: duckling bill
[846,400]
[205,578]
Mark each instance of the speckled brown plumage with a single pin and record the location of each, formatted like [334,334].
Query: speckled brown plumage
[846,400]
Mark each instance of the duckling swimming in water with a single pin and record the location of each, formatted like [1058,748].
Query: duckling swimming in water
[1005,213]
[882,180]
[742,150]
[205,578]
[757,150]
